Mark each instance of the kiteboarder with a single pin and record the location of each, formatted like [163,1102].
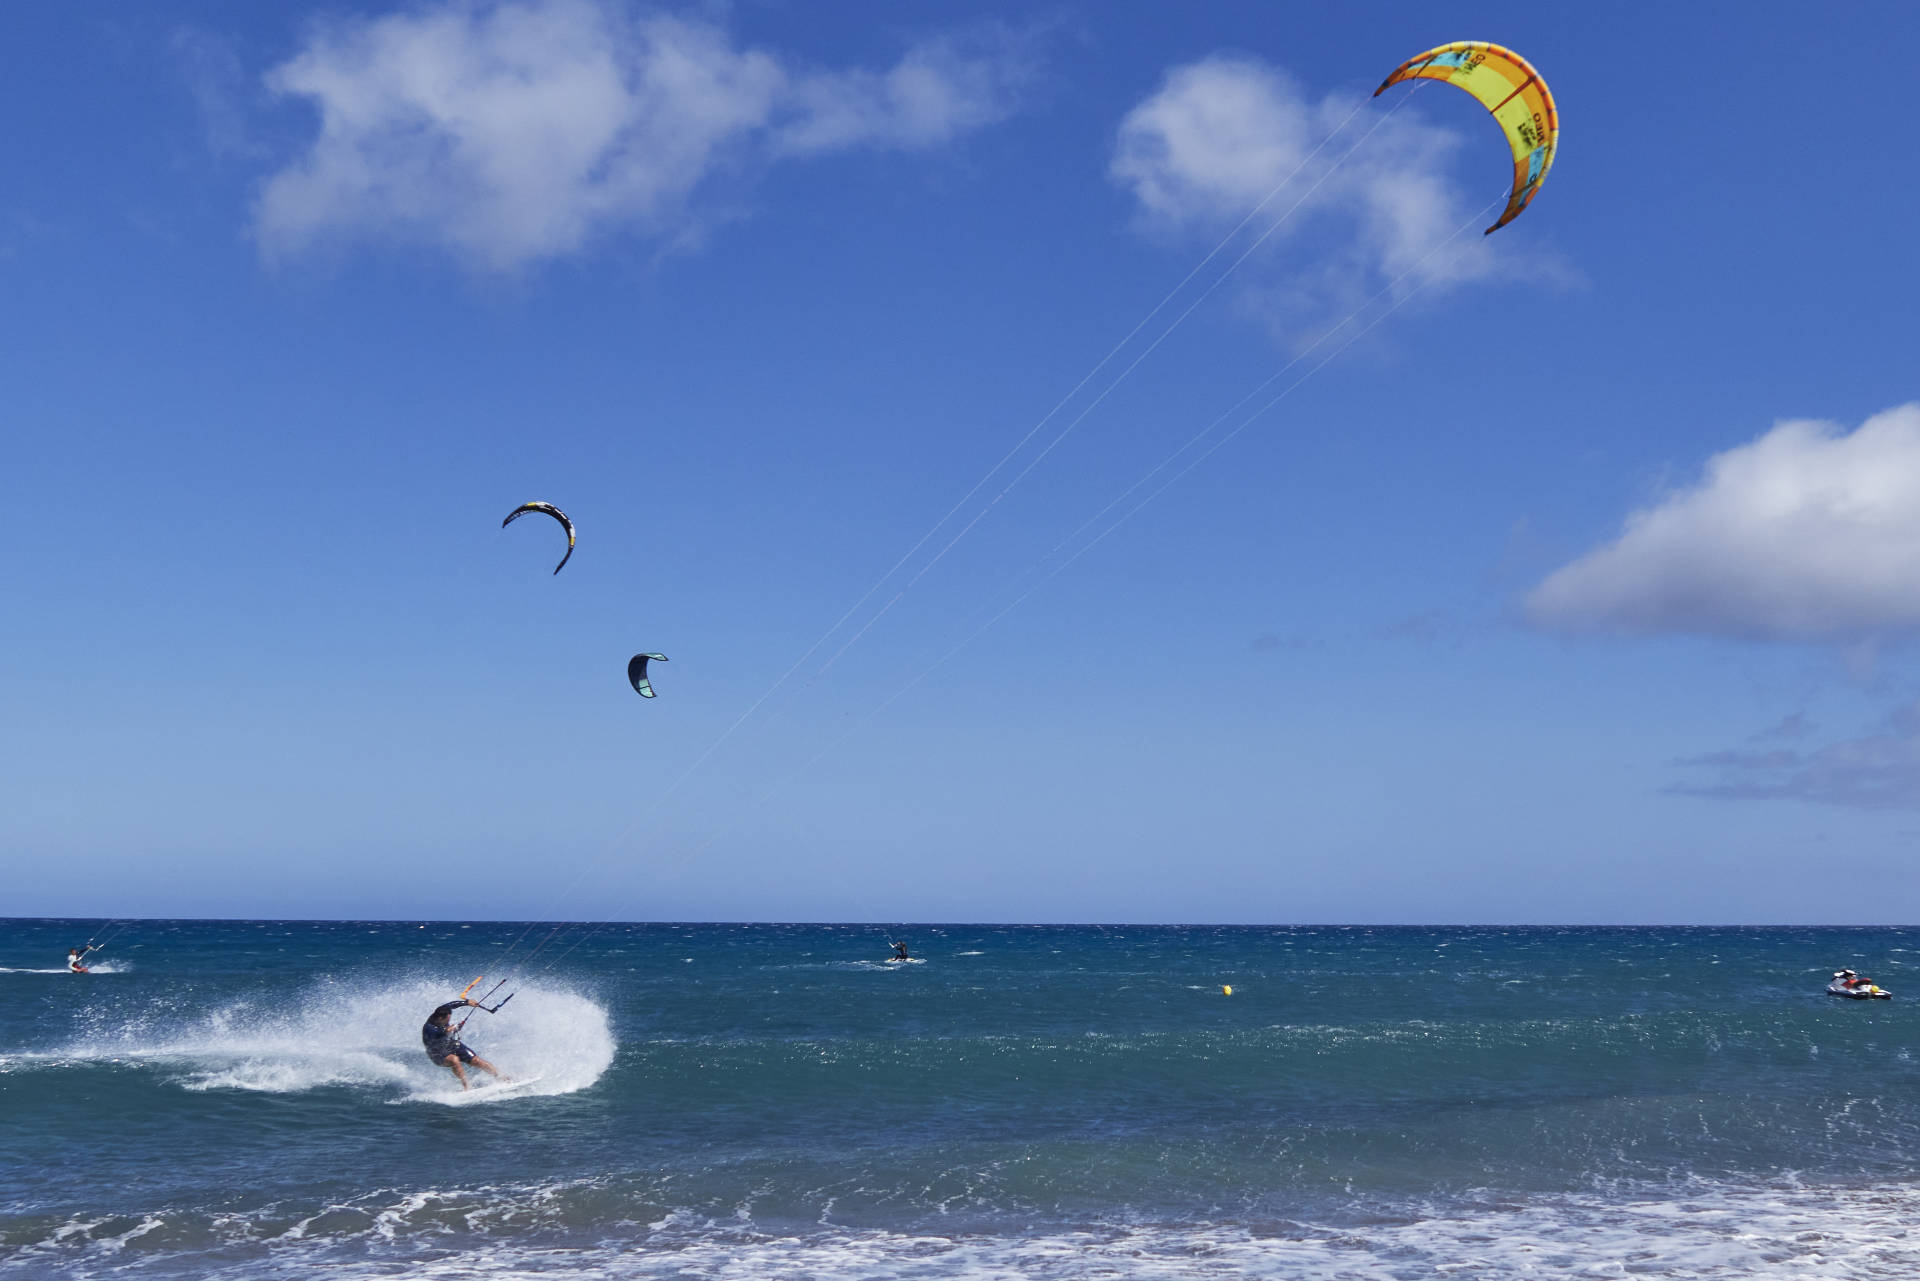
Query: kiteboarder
[77,957]
[900,952]
[445,1048]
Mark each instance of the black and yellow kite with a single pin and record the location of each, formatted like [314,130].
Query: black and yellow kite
[552,511]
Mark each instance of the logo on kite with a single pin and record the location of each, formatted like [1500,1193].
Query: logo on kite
[1507,85]
[552,511]
[637,673]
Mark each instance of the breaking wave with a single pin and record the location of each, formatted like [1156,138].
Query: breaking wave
[603,1228]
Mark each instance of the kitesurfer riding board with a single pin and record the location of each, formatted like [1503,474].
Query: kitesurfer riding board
[444,1046]
[77,956]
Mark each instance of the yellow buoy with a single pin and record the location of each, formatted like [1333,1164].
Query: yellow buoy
[1226,989]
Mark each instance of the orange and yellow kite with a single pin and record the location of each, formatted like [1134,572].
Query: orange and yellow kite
[1508,86]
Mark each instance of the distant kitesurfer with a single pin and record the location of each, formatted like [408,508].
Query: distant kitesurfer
[444,1046]
[77,958]
[900,952]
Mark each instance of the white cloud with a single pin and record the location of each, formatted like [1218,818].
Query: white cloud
[1809,533]
[511,132]
[218,81]
[937,92]
[1213,140]
[1219,134]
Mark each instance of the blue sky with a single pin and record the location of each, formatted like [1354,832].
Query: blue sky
[1580,587]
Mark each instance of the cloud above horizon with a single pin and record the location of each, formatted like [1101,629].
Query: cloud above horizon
[1221,133]
[1810,533]
[1878,770]
[510,131]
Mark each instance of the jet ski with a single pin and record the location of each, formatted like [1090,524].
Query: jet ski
[1860,991]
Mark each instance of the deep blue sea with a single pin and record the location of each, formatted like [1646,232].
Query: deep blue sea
[249,1099]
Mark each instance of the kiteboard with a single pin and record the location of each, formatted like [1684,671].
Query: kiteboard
[480,1093]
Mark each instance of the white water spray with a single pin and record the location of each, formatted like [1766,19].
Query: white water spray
[363,1035]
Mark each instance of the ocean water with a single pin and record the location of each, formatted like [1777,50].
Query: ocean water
[250,1100]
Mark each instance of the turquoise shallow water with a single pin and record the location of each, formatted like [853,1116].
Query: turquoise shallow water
[249,1099]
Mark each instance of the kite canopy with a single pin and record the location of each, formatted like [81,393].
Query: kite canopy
[550,510]
[1507,85]
[637,673]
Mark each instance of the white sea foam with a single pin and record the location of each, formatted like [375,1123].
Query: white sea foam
[361,1035]
[1712,1234]
[1787,1234]
[891,965]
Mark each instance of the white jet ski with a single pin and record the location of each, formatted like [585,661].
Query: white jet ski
[1859,991]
